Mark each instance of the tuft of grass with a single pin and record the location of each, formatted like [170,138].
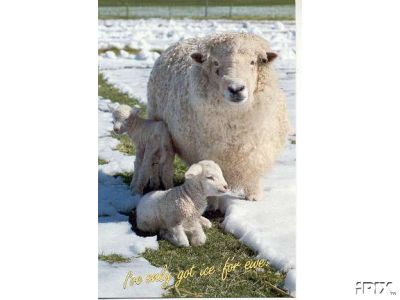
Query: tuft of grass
[180,169]
[114,258]
[108,91]
[126,177]
[264,282]
[125,144]
[117,50]
[101,161]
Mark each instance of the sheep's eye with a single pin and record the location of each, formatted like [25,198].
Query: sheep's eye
[210,177]
[253,62]
[216,63]
[217,71]
[264,60]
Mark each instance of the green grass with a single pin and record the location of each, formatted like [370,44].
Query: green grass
[114,258]
[180,169]
[101,161]
[220,246]
[117,50]
[194,2]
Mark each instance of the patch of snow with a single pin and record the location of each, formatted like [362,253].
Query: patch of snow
[112,278]
[117,237]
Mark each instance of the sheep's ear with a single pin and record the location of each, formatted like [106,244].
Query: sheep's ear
[198,57]
[194,170]
[271,56]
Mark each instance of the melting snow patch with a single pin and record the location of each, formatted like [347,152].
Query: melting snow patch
[112,278]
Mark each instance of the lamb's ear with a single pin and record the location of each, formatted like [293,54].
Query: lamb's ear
[112,109]
[271,56]
[198,57]
[194,170]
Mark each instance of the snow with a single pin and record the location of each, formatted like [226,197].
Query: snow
[117,237]
[267,226]
[112,278]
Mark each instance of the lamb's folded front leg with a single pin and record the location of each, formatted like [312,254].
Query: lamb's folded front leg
[197,235]
[176,235]
[205,222]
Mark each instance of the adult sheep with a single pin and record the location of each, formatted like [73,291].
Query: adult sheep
[220,97]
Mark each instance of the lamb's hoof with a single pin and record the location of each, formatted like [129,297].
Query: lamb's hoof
[183,244]
[205,223]
[198,242]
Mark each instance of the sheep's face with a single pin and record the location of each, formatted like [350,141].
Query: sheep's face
[120,118]
[233,74]
[210,176]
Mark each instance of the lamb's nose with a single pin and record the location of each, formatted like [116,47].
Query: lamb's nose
[235,88]
[226,186]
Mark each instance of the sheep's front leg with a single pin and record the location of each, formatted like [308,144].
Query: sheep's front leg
[176,235]
[254,190]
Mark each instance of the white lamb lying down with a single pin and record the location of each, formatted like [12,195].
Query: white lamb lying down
[154,150]
[177,212]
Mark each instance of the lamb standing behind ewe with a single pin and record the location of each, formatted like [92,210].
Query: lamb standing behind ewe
[154,151]
[220,97]
[177,213]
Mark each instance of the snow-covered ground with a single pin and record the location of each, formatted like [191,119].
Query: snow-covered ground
[267,226]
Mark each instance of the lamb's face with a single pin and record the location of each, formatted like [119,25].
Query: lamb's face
[209,174]
[120,117]
[234,73]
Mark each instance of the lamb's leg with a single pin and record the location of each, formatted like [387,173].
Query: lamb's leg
[145,171]
[197,236]
[176,235]
[254,190]
[205,222]
[136,170]
[167,170]
[155,177]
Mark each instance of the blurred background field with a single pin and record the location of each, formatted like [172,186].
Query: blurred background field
[198,9]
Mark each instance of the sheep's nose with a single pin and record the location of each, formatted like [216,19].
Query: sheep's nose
[226,186]
[236,88]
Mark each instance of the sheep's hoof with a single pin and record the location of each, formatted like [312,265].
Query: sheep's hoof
[252,197]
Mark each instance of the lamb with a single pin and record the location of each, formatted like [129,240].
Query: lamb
[177,212]
[154,150]
[220,97]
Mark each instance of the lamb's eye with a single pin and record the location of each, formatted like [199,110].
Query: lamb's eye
[216,63]
[210,177]
[217,71]
[253,62]
[264,60]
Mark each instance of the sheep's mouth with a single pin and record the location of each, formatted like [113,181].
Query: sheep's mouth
[235,99]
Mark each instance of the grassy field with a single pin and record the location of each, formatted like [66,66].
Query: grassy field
[194,2]
[261,282]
